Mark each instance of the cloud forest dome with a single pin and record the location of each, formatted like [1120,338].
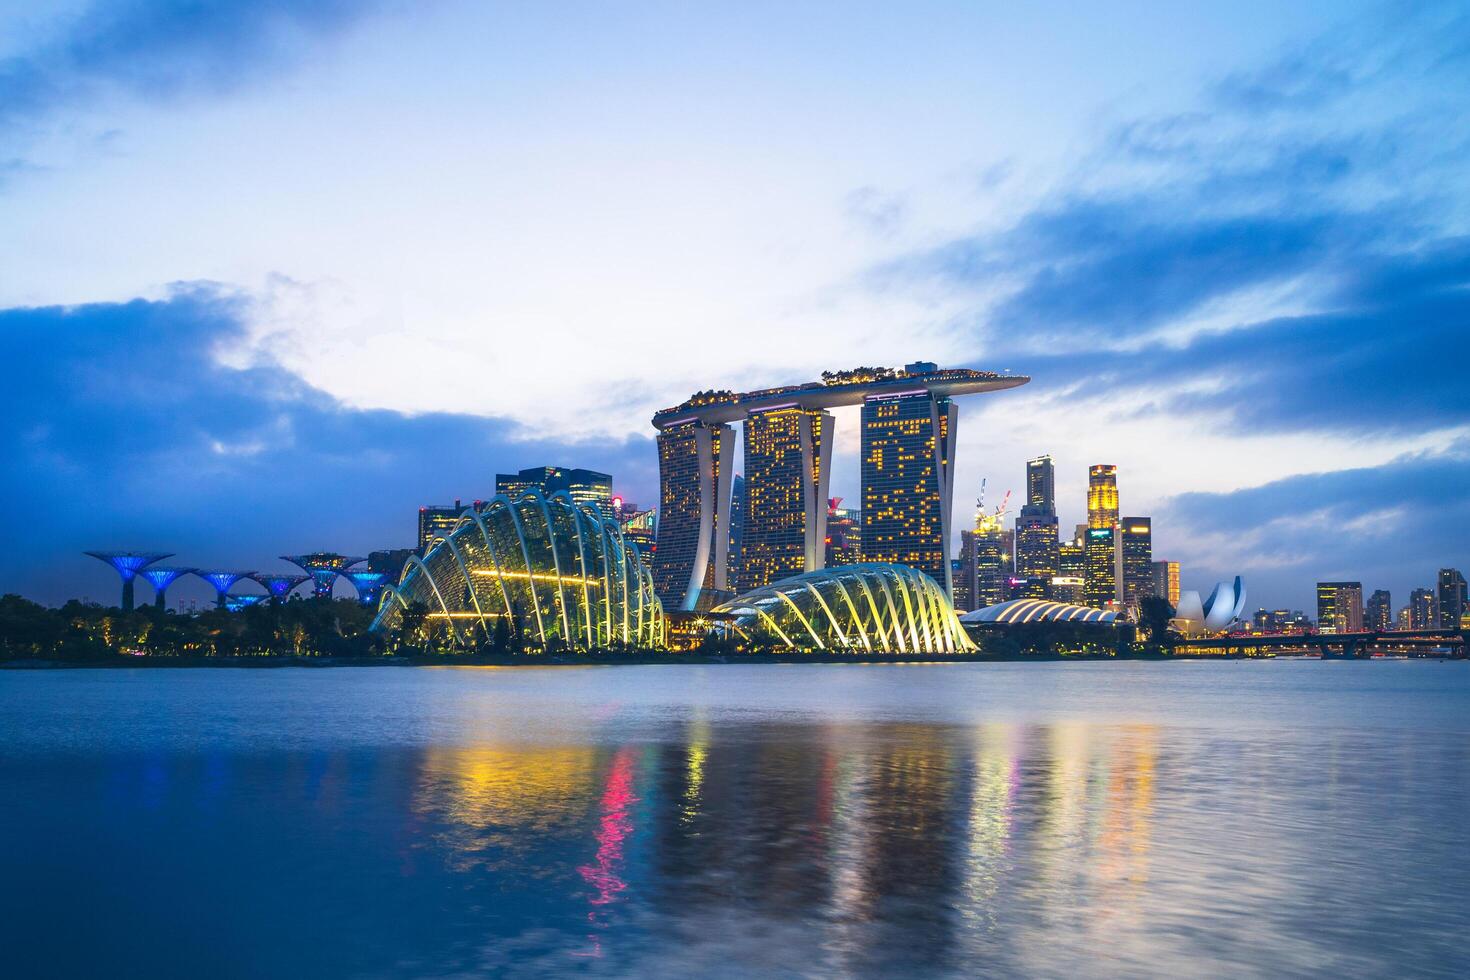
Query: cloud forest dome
[869,607]
[554,572]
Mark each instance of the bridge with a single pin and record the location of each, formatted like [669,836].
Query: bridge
[1337,646]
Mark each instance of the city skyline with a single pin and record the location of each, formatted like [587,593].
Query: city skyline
[1221,264]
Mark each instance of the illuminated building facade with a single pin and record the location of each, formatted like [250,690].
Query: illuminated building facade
[161,577]
[436,520]
[1379,611]
[844,543]
[908,420]
[1072,557]
[908,481]
[1102,496]
[1339,607]
[788,462]
[1451,599]
[1028,587]
[1041,485]
[639,526]
[1101,546]
[1037,547]
[537,571]
[1135,556]
[128,564]
[584,486]
[737,532]
[694,496]
[864,608]
[1069,588]
[1423,610]
[323,567]
[1166,581]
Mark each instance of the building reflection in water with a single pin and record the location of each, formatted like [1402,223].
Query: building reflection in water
[888,845]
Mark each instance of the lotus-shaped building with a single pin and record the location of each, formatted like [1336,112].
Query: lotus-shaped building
[555,572]
[1225,605]
[863,608]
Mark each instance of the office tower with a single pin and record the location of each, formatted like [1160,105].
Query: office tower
[737,533]
[640,527]
[437,520]
[1102,496]
[583,486]
[1102,570]
[908,481]
[1451,598]
[788,462]
[844,543]
[1135,559]
[1036,544]
[694,498]
[1380,611]
[1041,494]
[1027,587]
[1166,580]
[1339,607]
[1405,621]
[1079,533]
[985,563]
[1423,609]
[1072,558]
[1069,588]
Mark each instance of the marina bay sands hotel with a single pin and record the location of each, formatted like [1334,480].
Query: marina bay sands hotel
[907,454]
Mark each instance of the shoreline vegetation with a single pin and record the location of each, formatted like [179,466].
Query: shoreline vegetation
[309,632]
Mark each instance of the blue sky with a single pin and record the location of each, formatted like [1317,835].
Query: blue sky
[273,274]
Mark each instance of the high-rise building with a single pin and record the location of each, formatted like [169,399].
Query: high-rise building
[1340,607]
[1102,566]
[1102,496]
[1041,493]
[844,534]
[1166,581]
[1072,557]
[985,563]
[437,520]
[737,532]
[693,534]
[583,486]
[1036,544]
[1404,619]
[1135,559]
[1028,587]
[1069,588]
[908,481]
[1380,611]
[1423,609]
[1452,599]
[788,463]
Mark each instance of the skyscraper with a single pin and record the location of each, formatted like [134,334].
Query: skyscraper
[1102,571]
[437,520]
[1135,559]
[1379,611]
[908,481]
[1340,607]
[694,500]
[788,462]
[1451,598]
[737,532]
[1036,544]
[1166,581]
[1423,609]
[1041,493]
[1102,496]
[844,534]
[583,486]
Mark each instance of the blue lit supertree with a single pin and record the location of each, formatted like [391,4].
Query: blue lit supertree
[161,577]
[235,603]
[127,564]
[279,585]
[222,582]
[323,567]
[368,584]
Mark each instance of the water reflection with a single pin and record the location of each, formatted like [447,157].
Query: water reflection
[832,847]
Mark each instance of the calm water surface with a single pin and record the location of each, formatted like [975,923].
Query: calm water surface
[1242,819]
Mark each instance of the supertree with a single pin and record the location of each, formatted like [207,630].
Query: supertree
[235,603]
[323,567]
[127,564]
[222,582]
[368,584]
[279,585]
[161,577]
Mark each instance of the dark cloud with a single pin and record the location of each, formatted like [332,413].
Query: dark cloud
[167,48]
[1390,527]
[123,429]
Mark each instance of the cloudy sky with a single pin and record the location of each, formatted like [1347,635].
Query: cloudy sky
[274,273]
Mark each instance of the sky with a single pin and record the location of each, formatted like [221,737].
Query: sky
[273,274]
